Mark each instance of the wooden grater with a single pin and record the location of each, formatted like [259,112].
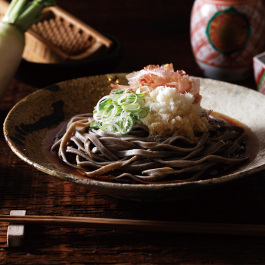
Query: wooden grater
[60,37]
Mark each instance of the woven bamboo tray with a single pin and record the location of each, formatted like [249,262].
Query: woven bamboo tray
[60,37]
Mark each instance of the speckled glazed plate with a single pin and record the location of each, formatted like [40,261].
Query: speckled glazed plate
[31,119]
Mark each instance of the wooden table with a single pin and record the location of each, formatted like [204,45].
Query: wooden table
[154,32]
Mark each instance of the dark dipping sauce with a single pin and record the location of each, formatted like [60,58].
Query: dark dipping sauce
[217,170]
[250,150]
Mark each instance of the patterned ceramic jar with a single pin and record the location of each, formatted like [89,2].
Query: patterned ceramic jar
[259,71]
[226,35]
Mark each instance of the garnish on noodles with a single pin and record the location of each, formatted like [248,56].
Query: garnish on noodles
[152,130]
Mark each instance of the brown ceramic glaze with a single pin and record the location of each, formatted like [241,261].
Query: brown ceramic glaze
[29,121]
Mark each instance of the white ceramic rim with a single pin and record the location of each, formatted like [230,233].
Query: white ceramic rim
[258,58]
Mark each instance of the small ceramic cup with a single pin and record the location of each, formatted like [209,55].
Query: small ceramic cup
[259,71]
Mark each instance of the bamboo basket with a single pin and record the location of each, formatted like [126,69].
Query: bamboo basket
[60,37]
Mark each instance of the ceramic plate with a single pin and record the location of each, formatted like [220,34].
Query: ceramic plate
[29,121]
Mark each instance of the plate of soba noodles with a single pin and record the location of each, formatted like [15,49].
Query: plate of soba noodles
[155,134]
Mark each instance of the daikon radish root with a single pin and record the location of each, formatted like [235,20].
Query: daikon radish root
[19,17]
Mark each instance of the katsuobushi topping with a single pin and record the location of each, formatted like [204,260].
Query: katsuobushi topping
[166,101]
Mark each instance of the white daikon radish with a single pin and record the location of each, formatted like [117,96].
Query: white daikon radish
[19,17]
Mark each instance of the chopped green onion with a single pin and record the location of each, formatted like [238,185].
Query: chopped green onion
[117,92]
[131,107]
[118,112]
[128,124]
[142,113]
[95,125]
[140,95]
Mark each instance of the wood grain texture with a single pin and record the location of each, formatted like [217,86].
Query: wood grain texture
[151,32]
[241,202]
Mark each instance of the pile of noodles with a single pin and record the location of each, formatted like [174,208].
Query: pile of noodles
[141,158]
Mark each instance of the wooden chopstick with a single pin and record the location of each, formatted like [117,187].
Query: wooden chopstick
[145,225]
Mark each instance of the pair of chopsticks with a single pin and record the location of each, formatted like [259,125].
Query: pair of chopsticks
[143,225]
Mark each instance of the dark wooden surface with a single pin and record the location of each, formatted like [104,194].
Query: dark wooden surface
[151,32]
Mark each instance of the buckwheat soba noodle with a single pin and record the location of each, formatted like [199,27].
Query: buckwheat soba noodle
[154,147]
